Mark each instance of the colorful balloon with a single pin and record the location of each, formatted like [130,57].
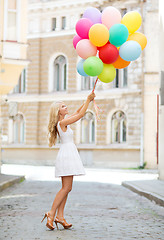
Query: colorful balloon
[132,20]
[86,49]
[108,73]
[120,63]
[80,68]
[76,39]
[140,38]
[93,14]
[118,34]
[130,50]
[98,35]
[108,53]
[110,16]
[82,27]
[93,66]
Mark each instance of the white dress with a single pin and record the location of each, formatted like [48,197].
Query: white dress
[68,161]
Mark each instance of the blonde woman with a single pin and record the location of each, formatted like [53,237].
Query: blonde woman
[68,162]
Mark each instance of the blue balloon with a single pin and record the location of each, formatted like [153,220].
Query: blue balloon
[80,68]
[130,50]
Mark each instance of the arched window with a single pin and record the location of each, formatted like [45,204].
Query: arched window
[121,79]
[21,86]
[87,83]
[17,129]
[60,74]
[88,128]
[118,127]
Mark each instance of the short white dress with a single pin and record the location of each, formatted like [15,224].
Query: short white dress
[68,161]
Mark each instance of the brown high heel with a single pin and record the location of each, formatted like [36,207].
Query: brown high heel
[49,223]
[63,223]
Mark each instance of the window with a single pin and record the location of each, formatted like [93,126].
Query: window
[120,80]
[63,26]
[118,127]
[12,20]
[87,83]
[18,135]
[53,24]
[21,86]
[88,128]
[60,74]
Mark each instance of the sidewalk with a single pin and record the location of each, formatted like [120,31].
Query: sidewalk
[9,180]
[151,189]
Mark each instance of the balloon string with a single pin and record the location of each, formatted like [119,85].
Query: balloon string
[97,109]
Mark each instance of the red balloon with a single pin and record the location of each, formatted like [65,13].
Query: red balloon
[108,53]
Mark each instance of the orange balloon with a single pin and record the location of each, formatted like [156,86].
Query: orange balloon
[140,38]
[120,63]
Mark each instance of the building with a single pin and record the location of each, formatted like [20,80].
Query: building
[126,134]
[13,48]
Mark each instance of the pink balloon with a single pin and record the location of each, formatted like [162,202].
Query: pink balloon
[82,27]
[86,49]
[110,16]
[76,39]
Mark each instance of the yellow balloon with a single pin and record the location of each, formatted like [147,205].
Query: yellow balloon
[99,35]
[132,20]
[108,73]
[140,38]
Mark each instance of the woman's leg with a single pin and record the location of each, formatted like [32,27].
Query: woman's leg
[60,212]
[61,195]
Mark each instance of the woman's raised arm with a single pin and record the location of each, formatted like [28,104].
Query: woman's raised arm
[80,113]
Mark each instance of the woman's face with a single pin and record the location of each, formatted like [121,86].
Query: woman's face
[63,109]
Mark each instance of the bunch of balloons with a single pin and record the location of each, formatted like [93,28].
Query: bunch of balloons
[106,42]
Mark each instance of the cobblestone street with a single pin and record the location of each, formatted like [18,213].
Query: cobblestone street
[96,210]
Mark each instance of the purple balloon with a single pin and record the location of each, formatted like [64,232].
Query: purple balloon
[93,14]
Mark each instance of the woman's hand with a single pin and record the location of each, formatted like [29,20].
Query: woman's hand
[91,96]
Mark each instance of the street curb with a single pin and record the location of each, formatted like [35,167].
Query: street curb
[11,182]
[151,196]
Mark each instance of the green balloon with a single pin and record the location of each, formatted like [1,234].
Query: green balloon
[93,66]
[118,34]
[108,74]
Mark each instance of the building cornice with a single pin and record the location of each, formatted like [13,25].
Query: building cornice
[51,5]
[51,34]
[79,95]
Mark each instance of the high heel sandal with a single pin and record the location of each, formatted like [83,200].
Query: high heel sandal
[63,223]
[49,223]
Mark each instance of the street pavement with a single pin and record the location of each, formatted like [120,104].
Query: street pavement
[96,211]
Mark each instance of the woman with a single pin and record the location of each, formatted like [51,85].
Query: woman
[68,162]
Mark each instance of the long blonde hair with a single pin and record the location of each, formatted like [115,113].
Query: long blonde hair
[53,121]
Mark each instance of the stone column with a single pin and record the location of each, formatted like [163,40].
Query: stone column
[161,112]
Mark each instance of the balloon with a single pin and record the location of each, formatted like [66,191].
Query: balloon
[93,14]
[110,16]
[108,73]
[140,38]
[108,53]
[93,66]
[130,50]
[80,68]
[120,63]
[98,34]
[118,34]
[132,20]
[86,49]
[82,27]
[76,39]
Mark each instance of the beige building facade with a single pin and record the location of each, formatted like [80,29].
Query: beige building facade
[125,135]
[13,52]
